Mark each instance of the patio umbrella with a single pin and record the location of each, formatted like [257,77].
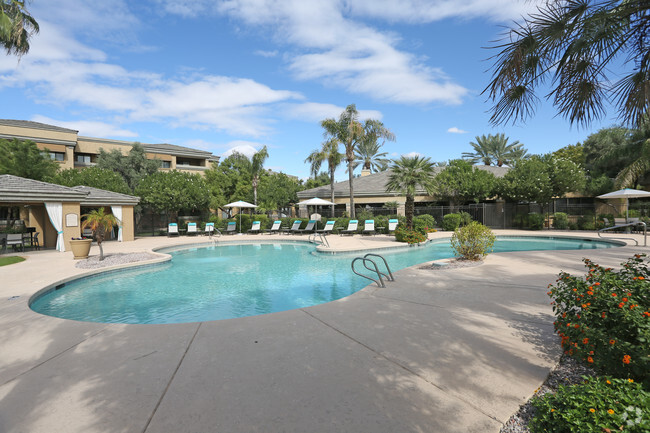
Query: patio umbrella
[627,194]
[316,202]
[240,204]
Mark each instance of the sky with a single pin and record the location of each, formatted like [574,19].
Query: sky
[227,75]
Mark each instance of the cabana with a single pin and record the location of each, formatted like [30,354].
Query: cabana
[55,210]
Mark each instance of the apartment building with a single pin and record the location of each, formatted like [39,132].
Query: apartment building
[71,150]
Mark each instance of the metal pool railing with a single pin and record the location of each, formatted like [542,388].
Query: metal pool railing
[365,260]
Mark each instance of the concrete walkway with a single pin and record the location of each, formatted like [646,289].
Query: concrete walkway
[435,351]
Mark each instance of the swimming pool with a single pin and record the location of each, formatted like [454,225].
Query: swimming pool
[229,281]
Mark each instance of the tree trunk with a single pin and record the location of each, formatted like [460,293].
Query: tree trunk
[255,191]
[409,209]
[332,192]
[351,177]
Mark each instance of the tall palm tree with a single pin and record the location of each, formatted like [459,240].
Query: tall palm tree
[16,26]
[407,174]
[638,144]
[99,222]
[368,154]
[257,166]
[347,130]
[572,44]
[329,152]
[495,149]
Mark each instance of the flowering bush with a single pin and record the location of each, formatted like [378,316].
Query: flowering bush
[472,241]
[604,318]
[402,234]
[601,404]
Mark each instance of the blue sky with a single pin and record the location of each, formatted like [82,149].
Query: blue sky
[241,74]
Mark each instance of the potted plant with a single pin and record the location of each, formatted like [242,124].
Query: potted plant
[80,247]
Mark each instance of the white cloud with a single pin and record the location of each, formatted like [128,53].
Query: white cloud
[88,127]
[454,130]
[315,112]
[59,70]
[244,147]
[263,53]
[411,154]
[343,52]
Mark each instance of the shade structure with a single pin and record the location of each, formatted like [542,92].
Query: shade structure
[627,194]
[316,202]
[240,204]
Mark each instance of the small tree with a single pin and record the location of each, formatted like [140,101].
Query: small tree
[408,174]
[473,241]
[460,182]
[23,158]
[99,222]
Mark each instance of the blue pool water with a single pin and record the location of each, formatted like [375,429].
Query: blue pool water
[223,282]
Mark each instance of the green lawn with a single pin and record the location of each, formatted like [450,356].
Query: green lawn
[10,260]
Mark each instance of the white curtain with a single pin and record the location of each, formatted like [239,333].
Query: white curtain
[55,212]
[117,212]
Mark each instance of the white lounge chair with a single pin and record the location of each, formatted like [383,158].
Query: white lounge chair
[329,226]
[191,229]
[231,228]
[275,228]
[172,229]
[352,228]
[368,227]
[15,240]
[295,227]
[392,226]
[255,228]
[309,229]
[209,229]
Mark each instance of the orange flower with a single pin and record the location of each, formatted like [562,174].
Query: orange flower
[590,292]
[627,359]
[596,284]
[592,410]
[624,299]
[590,359]
[584,305]
[646,313]
[576,326]
[621,305]
[585,341]
[641,278]
[612,341]
[563,315]
[630,380]
[575,290]
[603,315]
[609,382]
[614,294]
[610,411]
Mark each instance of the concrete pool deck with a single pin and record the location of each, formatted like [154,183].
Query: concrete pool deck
[435,351]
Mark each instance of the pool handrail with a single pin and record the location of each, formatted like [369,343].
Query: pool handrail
[645,233]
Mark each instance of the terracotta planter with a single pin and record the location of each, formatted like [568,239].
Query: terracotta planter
[80,248]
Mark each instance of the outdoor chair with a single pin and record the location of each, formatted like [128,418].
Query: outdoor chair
[329,227]
[16,240]
[172,229]
[209,229]
[295,227]
[231,228]
[368,227]
[392,226]
[275,228]
[255,228]
[191,229]
[352,228]
[33,241]
[309,229]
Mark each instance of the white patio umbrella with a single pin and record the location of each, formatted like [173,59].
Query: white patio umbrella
[316,202]
[240,204]
[627,194]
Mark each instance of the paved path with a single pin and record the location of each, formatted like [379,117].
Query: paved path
[435,351]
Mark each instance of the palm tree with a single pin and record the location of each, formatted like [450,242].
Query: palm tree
[16,27]
[407,174]
[329,152]
[348,131]
[573,43]
[257,166]
[368,154]
[638,144]
[495,149]
[99,222]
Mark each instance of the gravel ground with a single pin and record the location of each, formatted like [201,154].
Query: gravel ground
[567,372]
[446,264]
[114,259]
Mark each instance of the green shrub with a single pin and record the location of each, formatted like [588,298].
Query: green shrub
[609,216]
[604,319]
[573,226]
[601,404]
[424,223]
[465,218]
[561,221]
[586,222]
[451,222]
[362,215]
[536,221]
[402,234]
[472,241]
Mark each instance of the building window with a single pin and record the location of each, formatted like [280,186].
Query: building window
[165,164]
[82,158]
[57,156]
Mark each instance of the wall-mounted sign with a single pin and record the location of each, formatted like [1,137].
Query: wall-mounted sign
[71,220]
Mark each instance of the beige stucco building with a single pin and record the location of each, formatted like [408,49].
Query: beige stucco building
[71,150]
[55,211]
